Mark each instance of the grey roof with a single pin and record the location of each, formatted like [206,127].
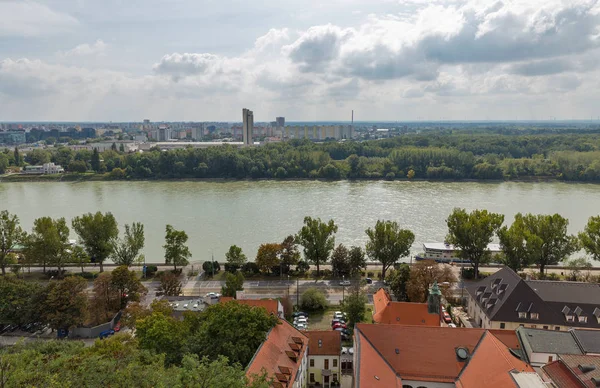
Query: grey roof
[566,292]
[547,341]
[588,340]
[504,294]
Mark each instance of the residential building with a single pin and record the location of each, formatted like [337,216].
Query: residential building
[46,168]
[273,306]
[543,346]
[573,371]
[505,301]
[437,357]
[324,351]
[280,122]
[16,137]
[402,313]
[447,253]
[248,126]
[283,355]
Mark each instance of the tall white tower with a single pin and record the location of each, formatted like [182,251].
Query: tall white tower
[248,126]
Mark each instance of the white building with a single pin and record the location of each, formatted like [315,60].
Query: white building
[46,168]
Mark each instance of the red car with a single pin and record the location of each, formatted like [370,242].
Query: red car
[117,326]
[338,325]
[447,318]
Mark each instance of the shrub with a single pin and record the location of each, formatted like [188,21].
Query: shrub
[362,273]
[250,269]
[370,274]
[231,268]
[552,276]
[176,272]
[151,270]
[313,300]
[87,275]
[54,273]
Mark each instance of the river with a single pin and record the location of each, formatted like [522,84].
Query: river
[216,215]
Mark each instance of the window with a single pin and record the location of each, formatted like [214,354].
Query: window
[570,318]
[502,325]
[326,364]
[557,328]
[550,359]
[582,319]
[522,314]
[533,326]
[312,377]
[407,386]
[545,327]
[335,362]
[534,316]
[312,362]
[335,377]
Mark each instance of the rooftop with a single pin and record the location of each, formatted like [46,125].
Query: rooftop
[324,343]
[561,376]
[271,305]
[547,341]
[387,311]
[588,340]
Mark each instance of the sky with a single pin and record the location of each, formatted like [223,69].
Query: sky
[307,60]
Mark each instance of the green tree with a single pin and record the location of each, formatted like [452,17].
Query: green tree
[95,160]
[289,253]
[126,251]
[65,303]
[97,233]
[355,305]
[471,233]
[37,157]
[78,166]
[127,284]
[340,263]
[17,157]
[516,253]
[170,284]
[204,373]
[232,330]
[233,283]
[235,257]
[164,334]
[105,299]
[388,243]
[49,244]
[11,235]
[422,276]
[313,300]
[113,147]
[4,163]
[121,148]
[18,304]
[590,238]
[356,261]
[317,239]
[267,257]
[547,239]
[411,174]
[576,266]
[176,252]
[398,281]
[79,256]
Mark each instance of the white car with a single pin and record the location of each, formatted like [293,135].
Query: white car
[339,315]
[451,325]
[301,326]
[301,320]
[345,283]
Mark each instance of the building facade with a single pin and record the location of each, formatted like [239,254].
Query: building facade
[247,126]
[324,363]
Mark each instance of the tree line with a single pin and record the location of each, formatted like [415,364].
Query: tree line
[430,155]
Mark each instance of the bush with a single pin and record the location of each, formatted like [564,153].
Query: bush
[54,273]
[362,274]
[87,275]
[231,268]
[217,266]
[250,269]
[468,273]
[552,276]
[177,272]
[370,274]
[302,267]
[151,270]
[313,300]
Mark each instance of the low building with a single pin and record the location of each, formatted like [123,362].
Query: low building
[505,301]
[324,364]
[273,306]
[12,138]
[402,313]
[543,346]
[46,168]
[181,304]
[588,341]
[437,357]
[573,371]
[283,355]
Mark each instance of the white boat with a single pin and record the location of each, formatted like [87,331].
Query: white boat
[446,253]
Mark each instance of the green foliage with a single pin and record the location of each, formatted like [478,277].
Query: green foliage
[65,303]
[356,261]
[472,232]
[267,257]
[232,330]
[37,157]
[235,256]
[170,285]
[49,243]
[176,252]
[317,239]
[388,243]
[127,284]
[162,333]
[355,306]
[313,300]
[233,283]
[126,251]
[4,163]
[12,235]
[590,237]
[577,266]
[78,166]
[289,253]
[95,162]
[398,281]
[340,263]
[18,302]
[97,232]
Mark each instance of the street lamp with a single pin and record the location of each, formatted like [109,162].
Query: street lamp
[288,284]
[343,288]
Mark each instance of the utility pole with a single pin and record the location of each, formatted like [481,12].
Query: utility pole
[297,293]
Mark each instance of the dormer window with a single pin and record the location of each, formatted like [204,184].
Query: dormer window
[570,318]
[522,315]
[582,319]
[534,316]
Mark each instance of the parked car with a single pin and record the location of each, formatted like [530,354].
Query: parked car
[106,334]
[299,314]
[345,283]
[117,327]
[339,315]
[336,320]
[343,331]
[300,320]
[338,325]
[447,318]
[451,325]
[301,326]
[369,280]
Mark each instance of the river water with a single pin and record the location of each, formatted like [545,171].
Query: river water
[216,215]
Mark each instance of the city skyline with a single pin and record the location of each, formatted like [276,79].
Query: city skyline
[443,60]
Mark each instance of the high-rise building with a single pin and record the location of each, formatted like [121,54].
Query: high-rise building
[280,121]
[248,126]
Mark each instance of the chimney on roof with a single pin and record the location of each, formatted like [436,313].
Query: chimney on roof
[586,368]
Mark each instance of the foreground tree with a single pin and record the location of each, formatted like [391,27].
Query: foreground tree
[516,253]
[162,333]
[105,299]
[235,257]
[590,238]
[388,243]
[126,251]
[170,284]
[18,302]
[127,284]
[11,235]
[422,276]
[318,240]
[97,233]
[65,304]
[313,300]
[233,283]
[340,263]
[49,244]
[232,330]
[355,305]
[356,261]
[471,233]
[398,281]
[267,257]
[289,253]
[176,252]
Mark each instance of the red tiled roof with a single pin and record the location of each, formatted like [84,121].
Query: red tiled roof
[507,337]
[572,362]
[330,342]
[372,371]
[424,353]
[274,353]
[402,313]
[269,304]
[490,366]
[561,375]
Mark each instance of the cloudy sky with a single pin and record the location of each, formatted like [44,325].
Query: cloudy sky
[304,59]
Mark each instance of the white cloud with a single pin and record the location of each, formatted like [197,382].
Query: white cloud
[96,48]
[30,18]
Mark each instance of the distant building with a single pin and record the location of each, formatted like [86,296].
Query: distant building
[248,126]
[280,122]
[318,132]
[46,168]
[10,138]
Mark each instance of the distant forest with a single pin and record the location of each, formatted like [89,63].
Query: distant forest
[482,154]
